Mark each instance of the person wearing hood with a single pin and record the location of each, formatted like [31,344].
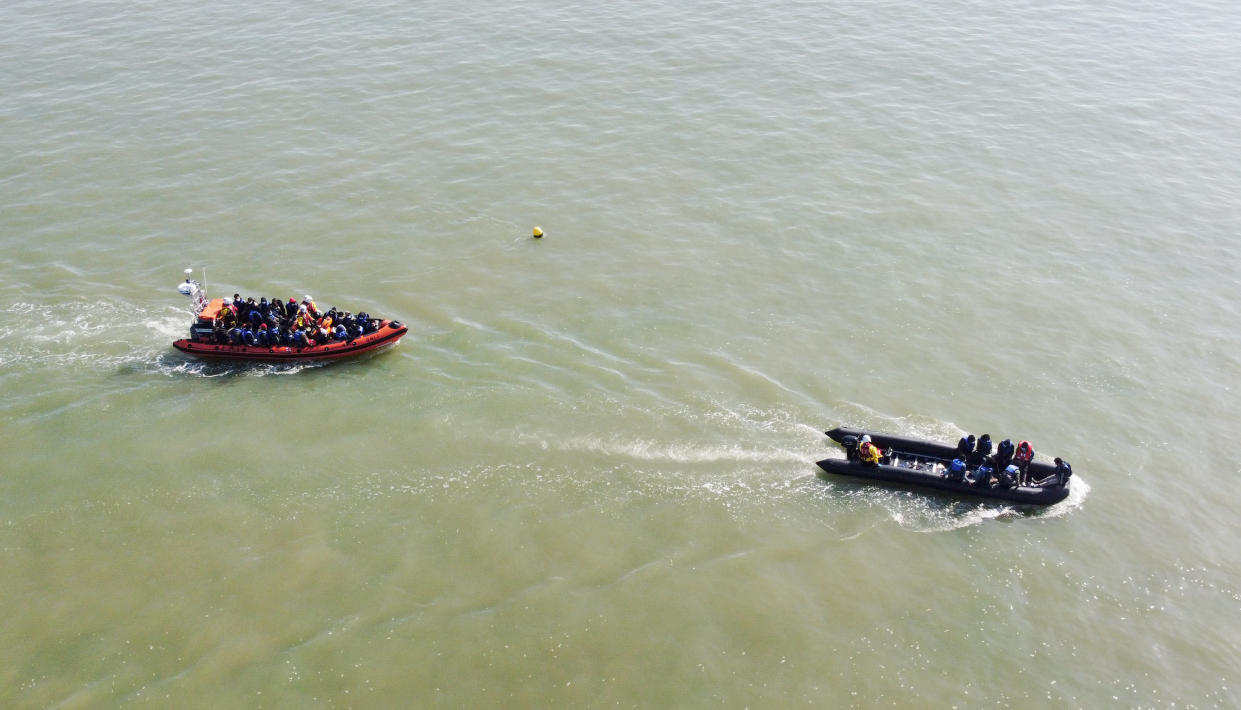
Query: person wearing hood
[1003,455]
[982,450]
[965,447]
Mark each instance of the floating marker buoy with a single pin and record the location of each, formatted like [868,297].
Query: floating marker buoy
[538,233]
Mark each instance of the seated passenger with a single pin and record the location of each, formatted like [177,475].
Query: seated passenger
[1060,477]
[351,326]
[868,453]
[956,470]
[981,477]
[982,450]
[1008,477]
[1003,454]
[965,447]
[340,333]
[1063,471]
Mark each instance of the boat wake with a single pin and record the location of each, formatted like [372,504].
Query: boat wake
[765,459]
[111,336]
[668,452]
[963,515]
[175,365]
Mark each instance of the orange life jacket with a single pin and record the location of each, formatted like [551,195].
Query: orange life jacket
[1025,452]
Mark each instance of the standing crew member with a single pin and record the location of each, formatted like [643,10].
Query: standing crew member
[226,317]
[1023,457]
[868,453]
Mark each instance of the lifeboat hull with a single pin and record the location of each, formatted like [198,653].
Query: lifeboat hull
[389,333]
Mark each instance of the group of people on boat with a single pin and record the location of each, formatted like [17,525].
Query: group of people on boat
[1008,466]
[272,323]
[975,463]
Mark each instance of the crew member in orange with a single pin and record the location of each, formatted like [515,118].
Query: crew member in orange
[868,453]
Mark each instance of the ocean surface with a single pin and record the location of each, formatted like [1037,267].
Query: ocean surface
[586,477]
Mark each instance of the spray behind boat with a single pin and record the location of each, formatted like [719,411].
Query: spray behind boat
[196,291]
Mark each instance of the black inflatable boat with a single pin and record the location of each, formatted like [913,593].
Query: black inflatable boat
[922,463]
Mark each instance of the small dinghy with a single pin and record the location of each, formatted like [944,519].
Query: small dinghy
[926,464]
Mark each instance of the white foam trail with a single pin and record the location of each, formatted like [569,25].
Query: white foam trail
[103,335]
[1078,490]
[648,450]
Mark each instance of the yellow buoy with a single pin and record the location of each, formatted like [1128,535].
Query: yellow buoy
[537,232]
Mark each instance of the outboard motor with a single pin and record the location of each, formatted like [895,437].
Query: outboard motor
[850,444]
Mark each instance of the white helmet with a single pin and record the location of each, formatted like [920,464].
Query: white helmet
[866,438]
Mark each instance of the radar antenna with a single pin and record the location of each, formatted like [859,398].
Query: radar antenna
[195,291]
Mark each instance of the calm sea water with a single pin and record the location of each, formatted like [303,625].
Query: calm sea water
[586,478]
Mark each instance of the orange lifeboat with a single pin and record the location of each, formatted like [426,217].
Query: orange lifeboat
[202,341]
